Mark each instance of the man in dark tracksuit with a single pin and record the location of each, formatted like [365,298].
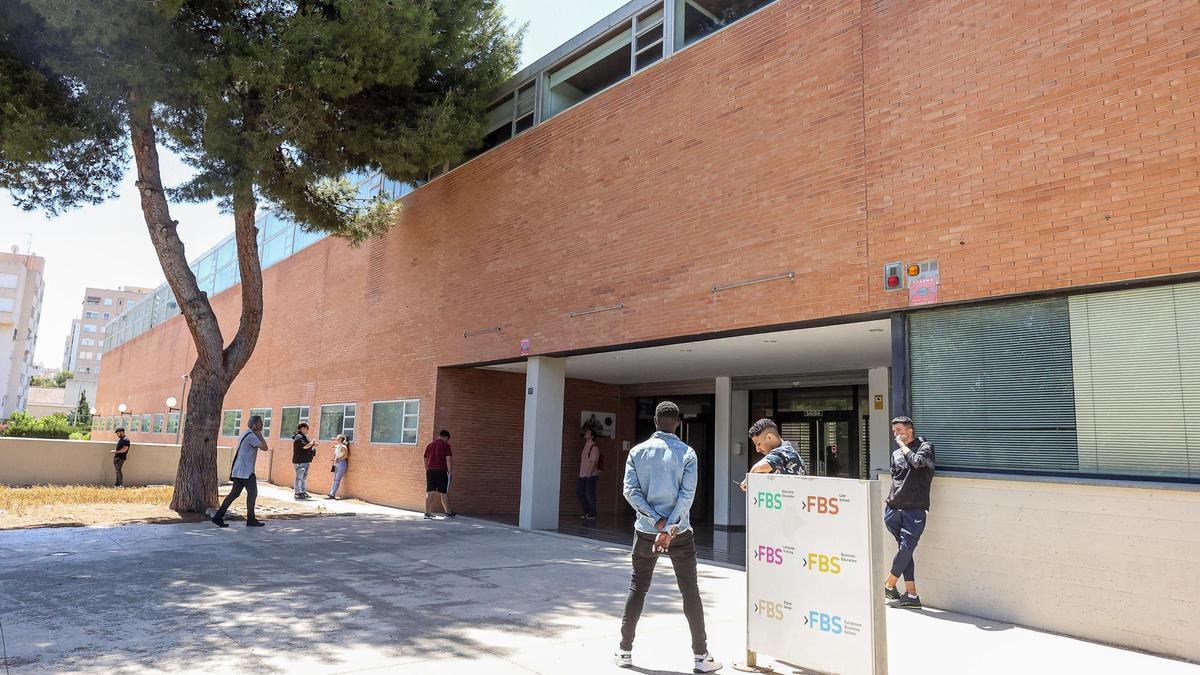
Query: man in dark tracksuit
[907,508]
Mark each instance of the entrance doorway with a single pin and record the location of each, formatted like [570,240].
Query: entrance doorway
[826,425]
[698,431]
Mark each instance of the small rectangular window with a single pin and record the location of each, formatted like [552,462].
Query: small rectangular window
[290,418]
[158,423]
[337,419]
[173,423]
[265,414]
[108,302]
[395,421]
[8,305]
[89,328]
[146,422]
[231,422]
[648,41]
[8,281]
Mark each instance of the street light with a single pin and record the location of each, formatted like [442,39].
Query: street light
[124,410]
[171,403]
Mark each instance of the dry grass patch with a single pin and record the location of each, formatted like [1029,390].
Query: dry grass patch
[78,505]
[23,500]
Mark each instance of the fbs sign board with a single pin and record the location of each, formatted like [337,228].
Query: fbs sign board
[814,595]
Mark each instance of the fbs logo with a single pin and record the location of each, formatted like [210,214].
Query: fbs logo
[819,562]
[826,623]
[772,555]
[769,500]
[822,505]
[771,610]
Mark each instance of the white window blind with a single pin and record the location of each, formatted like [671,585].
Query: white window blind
[1137,381]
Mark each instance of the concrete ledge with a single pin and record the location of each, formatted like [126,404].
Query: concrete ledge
[39,461]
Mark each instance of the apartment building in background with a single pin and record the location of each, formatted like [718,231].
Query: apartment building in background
[82,354]
[22,286]
[983,214]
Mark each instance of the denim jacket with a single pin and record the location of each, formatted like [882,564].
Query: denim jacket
[660,482]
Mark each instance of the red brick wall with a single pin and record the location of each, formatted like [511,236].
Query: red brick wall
[584,395]
[1031,145]
[484,411]
[1025,145]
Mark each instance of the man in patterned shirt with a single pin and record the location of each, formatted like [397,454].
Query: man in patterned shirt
[780,456]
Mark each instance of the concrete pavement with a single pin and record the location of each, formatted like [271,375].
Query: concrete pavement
[386,591]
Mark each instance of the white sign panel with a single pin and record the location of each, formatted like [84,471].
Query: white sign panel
[814,596]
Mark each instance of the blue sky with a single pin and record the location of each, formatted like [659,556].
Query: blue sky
[107,246]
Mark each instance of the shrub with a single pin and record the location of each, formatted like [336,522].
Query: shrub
[24,425]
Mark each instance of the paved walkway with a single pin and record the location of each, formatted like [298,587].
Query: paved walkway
[386,591]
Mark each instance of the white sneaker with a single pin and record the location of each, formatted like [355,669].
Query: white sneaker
[706,664]
[623,659]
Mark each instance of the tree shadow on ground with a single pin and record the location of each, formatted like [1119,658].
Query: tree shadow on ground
[306,594]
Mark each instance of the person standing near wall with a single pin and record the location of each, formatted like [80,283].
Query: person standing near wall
[660,484]
[304,452]
[341,463]
[242,474]
[438,465]
[589,474]
[778,455]
[120,454]
[907,509]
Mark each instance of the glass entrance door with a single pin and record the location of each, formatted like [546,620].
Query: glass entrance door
[827,440]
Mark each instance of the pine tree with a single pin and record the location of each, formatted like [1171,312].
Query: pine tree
[269,101]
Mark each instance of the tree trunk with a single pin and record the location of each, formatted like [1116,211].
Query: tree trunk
[196,478]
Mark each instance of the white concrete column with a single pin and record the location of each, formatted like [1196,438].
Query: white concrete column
[879,384]
[723,442]
[541,461]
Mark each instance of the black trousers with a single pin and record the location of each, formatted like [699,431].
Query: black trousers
[585,490]
[251,486]
[683,558]
[118,464]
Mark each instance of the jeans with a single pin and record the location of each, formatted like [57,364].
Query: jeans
[683,558]
[251,486]
[301,477]
[585,489]
[118,464]
[339,472]
[906,526]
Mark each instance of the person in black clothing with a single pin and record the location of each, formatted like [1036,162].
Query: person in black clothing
[120,454]
[907,508]
[304,452]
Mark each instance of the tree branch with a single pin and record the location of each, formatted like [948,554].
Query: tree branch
[193,303]
[246,234]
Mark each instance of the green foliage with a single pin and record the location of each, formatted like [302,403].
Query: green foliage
[284,97]
[57,381]
[27,426]
[81,436]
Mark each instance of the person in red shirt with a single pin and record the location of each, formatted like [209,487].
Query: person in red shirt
[437,474]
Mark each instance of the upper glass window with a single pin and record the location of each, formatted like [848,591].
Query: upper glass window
[699,18]
[598,68]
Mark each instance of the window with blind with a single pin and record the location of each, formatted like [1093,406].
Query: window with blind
[991,385]
[1103,384]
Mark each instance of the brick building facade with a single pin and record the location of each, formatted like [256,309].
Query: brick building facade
[1033,150]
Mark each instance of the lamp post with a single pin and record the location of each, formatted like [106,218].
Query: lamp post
[124,410]
[171,402]
[92,419]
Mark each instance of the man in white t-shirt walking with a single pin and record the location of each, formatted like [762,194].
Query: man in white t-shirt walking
[242,474]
